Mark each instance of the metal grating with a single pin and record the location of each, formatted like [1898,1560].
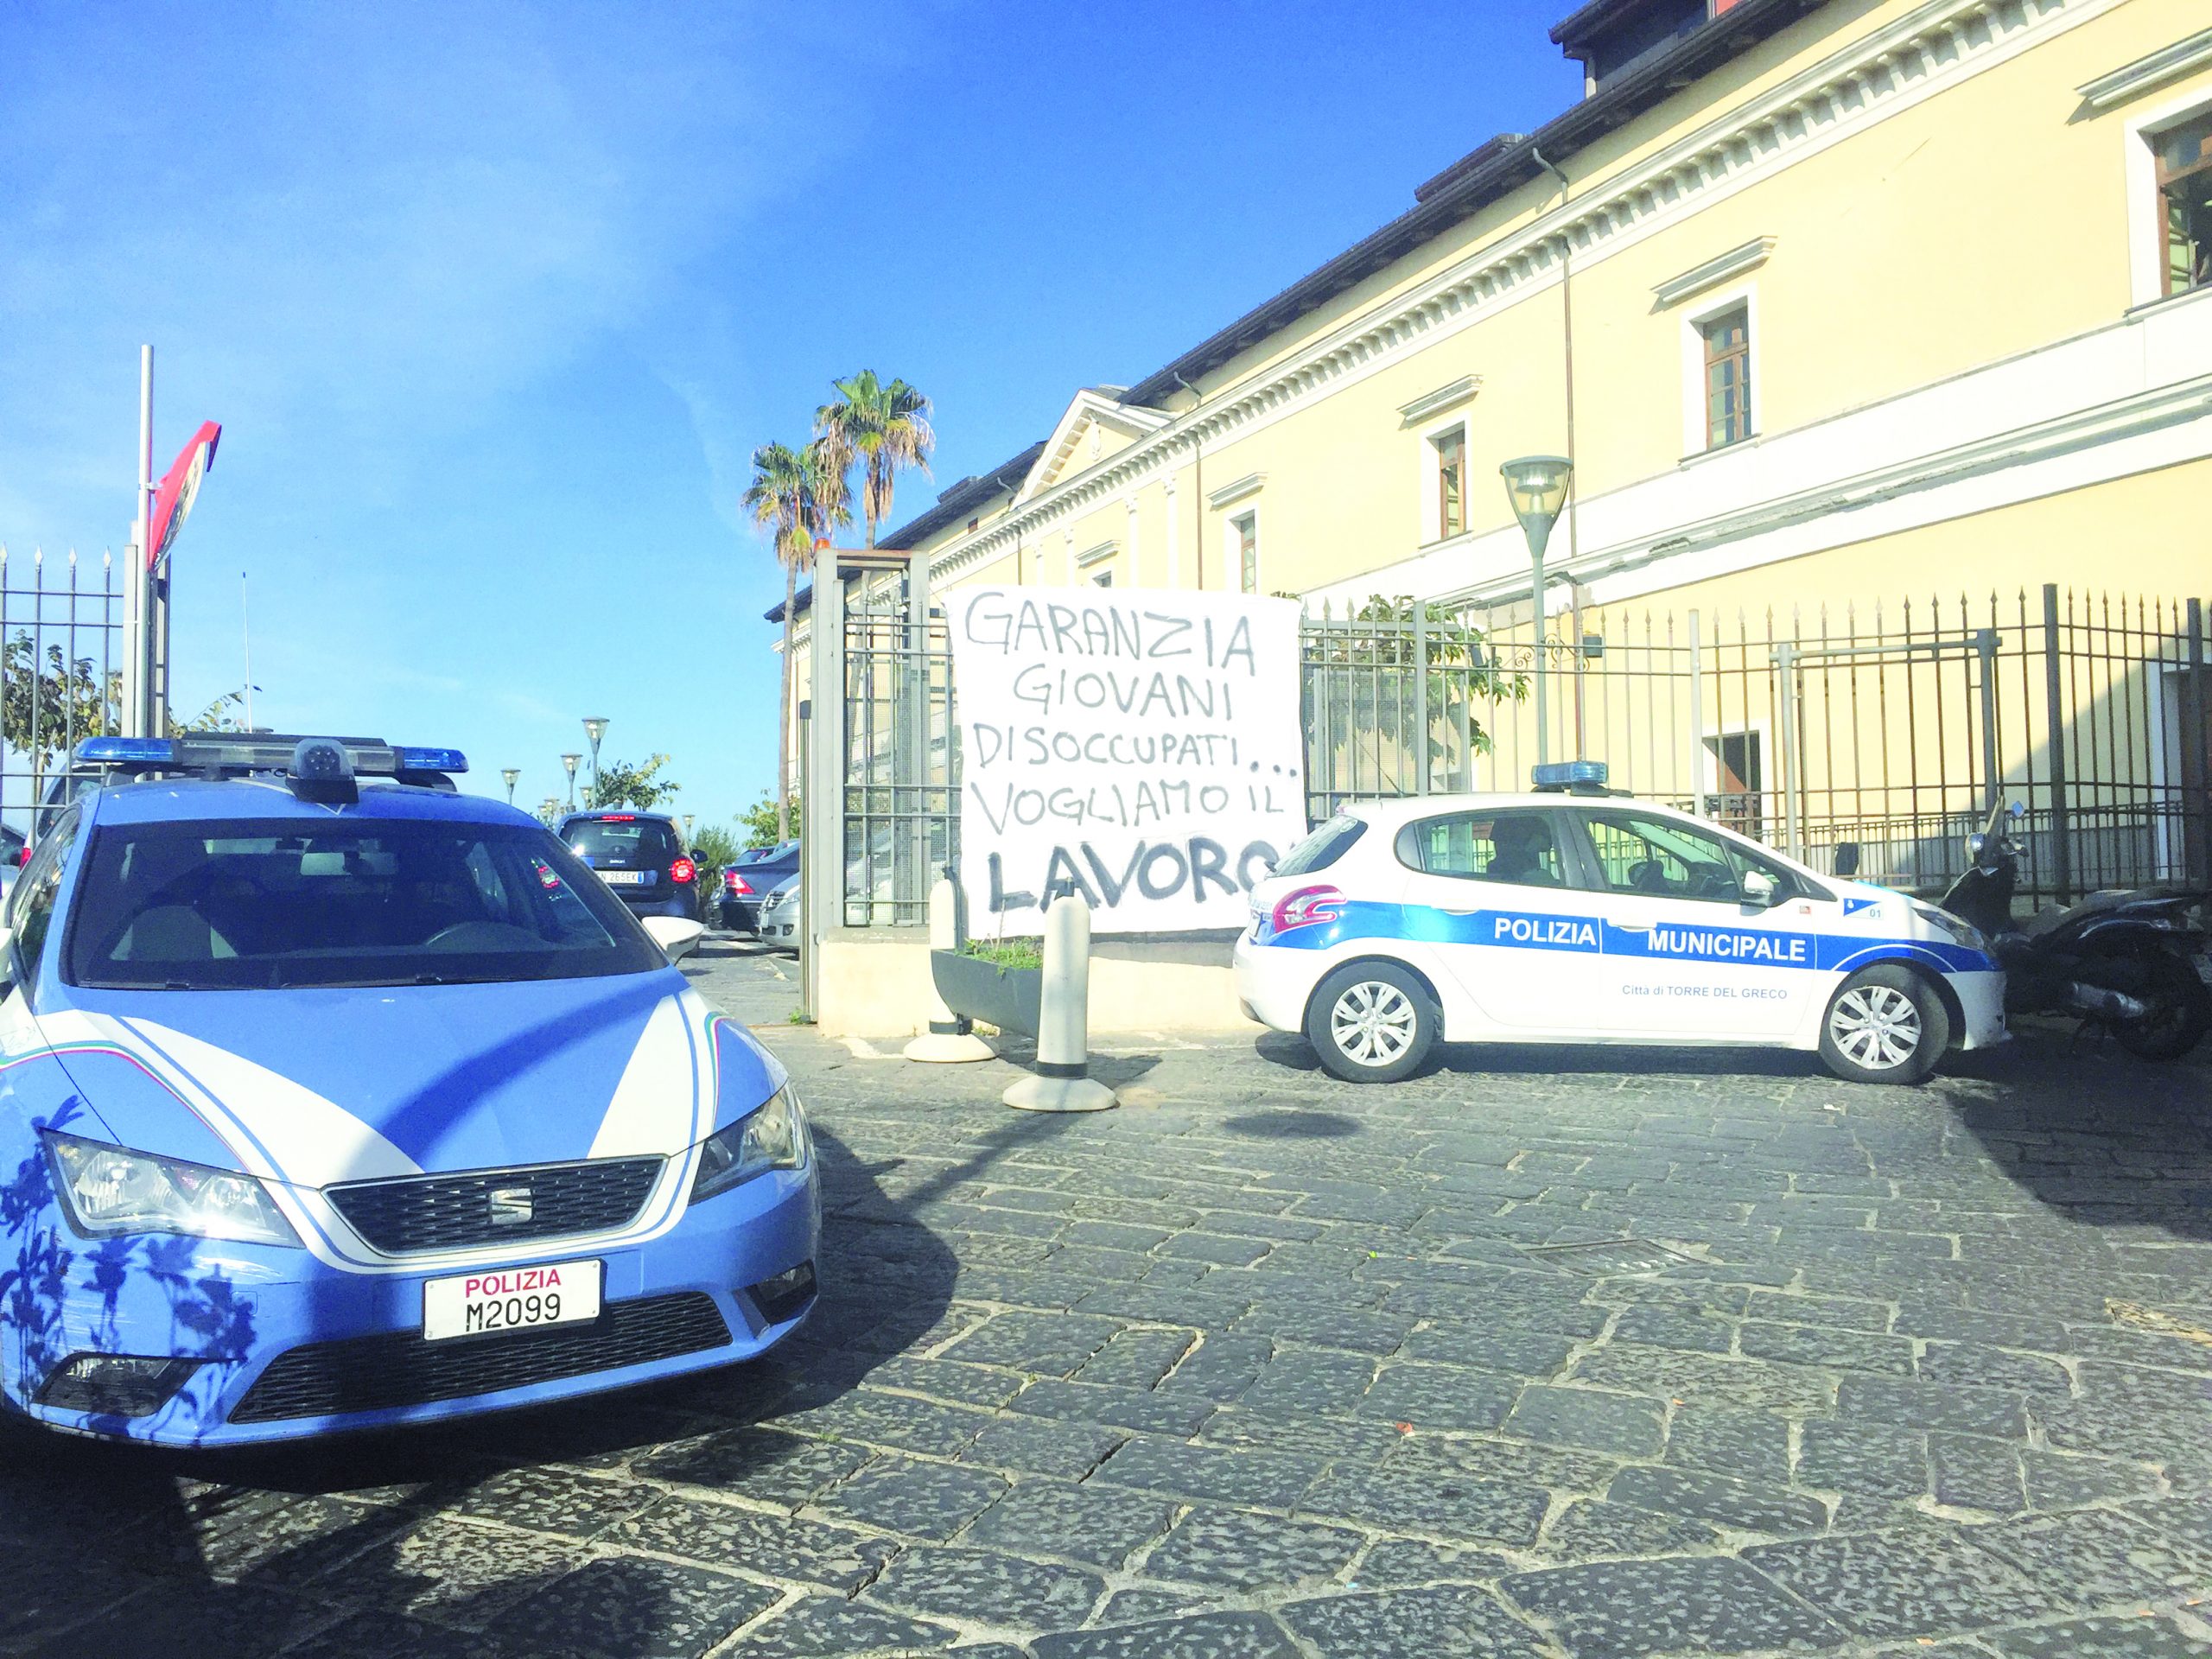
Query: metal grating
[383,1373]
[1612,1258]
[441,1212]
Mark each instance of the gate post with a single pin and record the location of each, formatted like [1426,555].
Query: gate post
[913,835]
[2197,757]
[822,802]
[1993,776]
[2062,829]
[1785,719]
[1421,697]
[1697,721]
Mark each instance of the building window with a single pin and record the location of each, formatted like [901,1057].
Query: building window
[1245,530]
[1103,579]
[2185,175]
[1727,378]
[1736,762]
[1451,446]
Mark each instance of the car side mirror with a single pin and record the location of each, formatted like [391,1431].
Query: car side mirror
[1759,887]
[674,934]
[1847,858]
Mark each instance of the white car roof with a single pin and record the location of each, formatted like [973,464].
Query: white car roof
[1395,812]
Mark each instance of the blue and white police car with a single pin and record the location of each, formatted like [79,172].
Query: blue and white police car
[331,1098]
[1571,915]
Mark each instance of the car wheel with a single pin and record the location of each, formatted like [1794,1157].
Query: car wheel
[1371,1022]
[1885,1025]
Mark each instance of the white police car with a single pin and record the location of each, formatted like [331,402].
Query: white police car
[1585,917]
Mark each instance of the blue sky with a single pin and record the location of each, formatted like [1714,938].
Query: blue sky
[494,301]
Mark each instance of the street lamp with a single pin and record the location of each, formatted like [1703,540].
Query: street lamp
[1536,485]
[513,776]
[688,816]
[548,809]
[594,729]
[569,764]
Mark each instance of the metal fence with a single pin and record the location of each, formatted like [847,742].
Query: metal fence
[60,651]
[1895,726]
[901,760]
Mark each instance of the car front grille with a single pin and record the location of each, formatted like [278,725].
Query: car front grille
[383,1373]
[496,1206]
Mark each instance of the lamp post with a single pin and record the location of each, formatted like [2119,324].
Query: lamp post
[568,765]
[550,809]
[1536,485]
[594,729]
[688,818]
[513,775]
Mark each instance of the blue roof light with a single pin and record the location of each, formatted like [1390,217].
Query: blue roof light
[1566,774]
[1569,772]
[125,751]
[417,759]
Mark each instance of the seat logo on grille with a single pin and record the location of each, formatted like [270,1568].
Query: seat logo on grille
[510,1205]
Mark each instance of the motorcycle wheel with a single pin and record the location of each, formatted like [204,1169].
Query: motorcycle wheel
[2180,1013]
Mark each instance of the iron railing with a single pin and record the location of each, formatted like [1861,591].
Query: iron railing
[902,771]
[60,670]
[1896,726]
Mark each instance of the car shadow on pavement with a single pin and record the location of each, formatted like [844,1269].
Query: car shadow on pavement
[1295,1053]
[421,1541]
[2095,1136]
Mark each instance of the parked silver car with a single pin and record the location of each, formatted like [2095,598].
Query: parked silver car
[779,915]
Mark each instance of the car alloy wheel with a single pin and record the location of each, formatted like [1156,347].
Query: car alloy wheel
[1876,1027]
[1373,1022]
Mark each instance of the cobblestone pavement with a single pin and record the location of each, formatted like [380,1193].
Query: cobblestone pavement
[1554,1353]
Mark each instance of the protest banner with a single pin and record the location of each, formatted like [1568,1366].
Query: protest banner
[1139,749]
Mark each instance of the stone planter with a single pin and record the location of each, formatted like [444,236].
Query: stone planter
[1005,997]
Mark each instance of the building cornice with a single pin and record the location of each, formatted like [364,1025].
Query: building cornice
[1250,484]
[1930,47]
[2167,63]
[1435,403]
[1714,272]
[1098,555]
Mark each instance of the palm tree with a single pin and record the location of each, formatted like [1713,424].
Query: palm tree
[884,428]
[780,497]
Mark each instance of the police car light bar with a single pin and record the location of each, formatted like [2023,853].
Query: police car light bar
[1570,775]
[235,754]
[124,751]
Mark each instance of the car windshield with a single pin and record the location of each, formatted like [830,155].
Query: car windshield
[634,843]
[237,905]
[1322,848]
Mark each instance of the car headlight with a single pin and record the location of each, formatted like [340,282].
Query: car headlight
[108,1191]
[1961,932]
[771,1137]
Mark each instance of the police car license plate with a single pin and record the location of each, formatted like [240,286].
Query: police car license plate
[623,877]
[509,1299]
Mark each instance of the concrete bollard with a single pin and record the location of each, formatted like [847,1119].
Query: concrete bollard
[1063,1081]
[949,1038]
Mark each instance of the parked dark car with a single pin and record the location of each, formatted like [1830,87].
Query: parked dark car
[745,883]
[640,855]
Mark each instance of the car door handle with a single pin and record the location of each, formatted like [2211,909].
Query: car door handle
[1633,927]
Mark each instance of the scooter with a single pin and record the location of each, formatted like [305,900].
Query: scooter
[2126,961]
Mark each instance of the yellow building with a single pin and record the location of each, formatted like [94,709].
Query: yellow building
[1832,302]
[1891,293]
